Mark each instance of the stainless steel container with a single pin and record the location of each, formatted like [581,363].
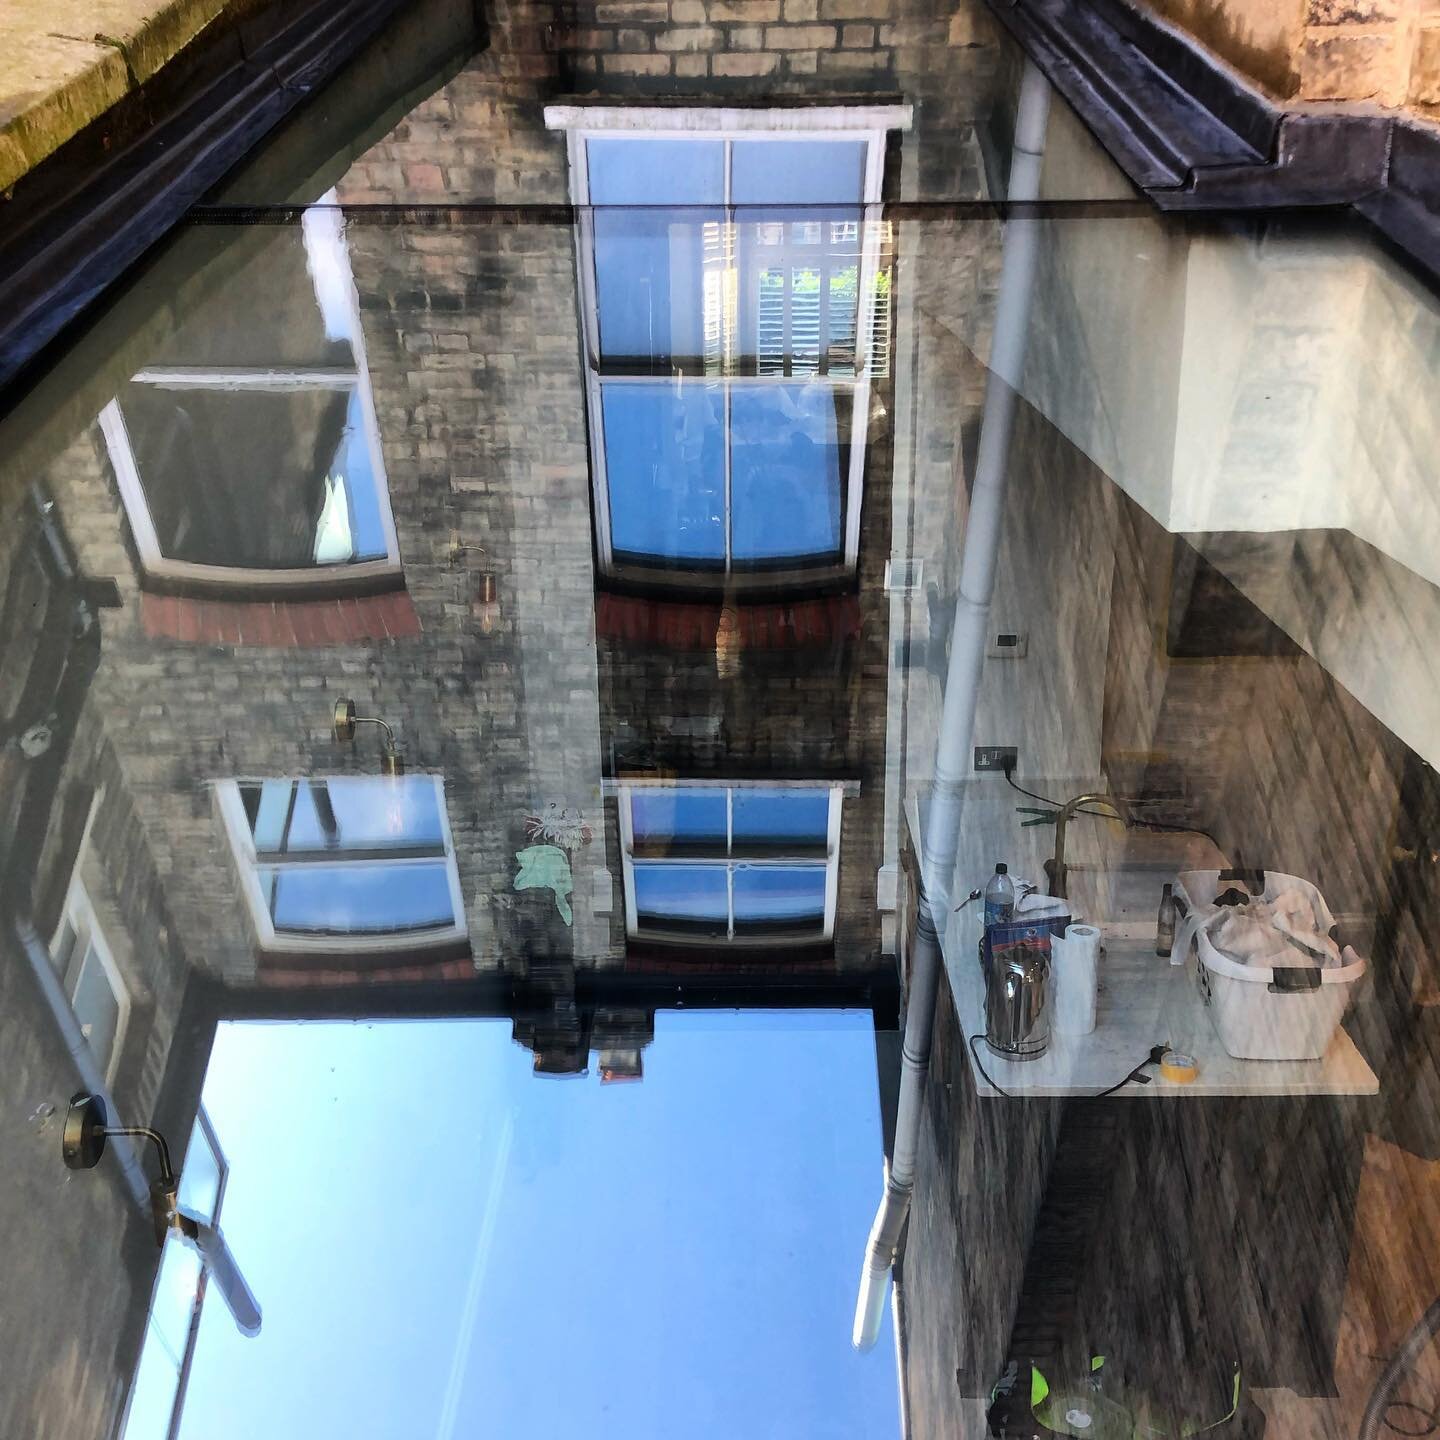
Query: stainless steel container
[1017,1003]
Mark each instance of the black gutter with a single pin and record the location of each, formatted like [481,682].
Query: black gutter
[505,996]
[73,226]
[1195,136]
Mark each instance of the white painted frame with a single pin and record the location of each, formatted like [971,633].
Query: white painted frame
[79,915]
[837,792]
[192,1329]
[868,122]
[327,237]
[247,862]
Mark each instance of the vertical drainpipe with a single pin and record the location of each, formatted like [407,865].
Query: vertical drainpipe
[74,657]
[1020,248]
[82,1057]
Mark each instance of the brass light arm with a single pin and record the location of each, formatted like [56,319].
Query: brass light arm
[344,724]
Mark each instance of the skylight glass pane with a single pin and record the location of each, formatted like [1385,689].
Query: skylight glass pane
[346,813]
[255,480]
[352,478]
[786,472]
[664,817]
[780,897]
[797,172]
[172,1303]
[656,286]
[200,1179]
[665,469]
[96,1006]
[152,1396]
[692,898]
[782,817]
[260,307]
[798,292]
[657,272]
[656,172]
[360,812]
[357,899]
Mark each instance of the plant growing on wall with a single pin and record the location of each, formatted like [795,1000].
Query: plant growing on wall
[564,827]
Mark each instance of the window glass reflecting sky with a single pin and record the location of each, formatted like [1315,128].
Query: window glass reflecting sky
[448,1247]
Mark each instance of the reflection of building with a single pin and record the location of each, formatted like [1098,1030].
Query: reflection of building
[173,1326]
[728,348]
[267,453]
[682,447]
[730,343]
[277,416]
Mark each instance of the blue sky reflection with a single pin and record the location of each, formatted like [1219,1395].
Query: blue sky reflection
[446,1246]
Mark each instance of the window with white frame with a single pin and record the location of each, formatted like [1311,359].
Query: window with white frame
[736,864]
[347,864]
[735,289]
[92,980]
[157,1396]
[247,453]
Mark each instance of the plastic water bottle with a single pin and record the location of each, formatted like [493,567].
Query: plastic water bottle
[1000,898]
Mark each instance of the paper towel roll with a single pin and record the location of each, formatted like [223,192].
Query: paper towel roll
[1074,977]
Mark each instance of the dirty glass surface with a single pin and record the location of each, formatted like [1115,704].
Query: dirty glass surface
[521,649]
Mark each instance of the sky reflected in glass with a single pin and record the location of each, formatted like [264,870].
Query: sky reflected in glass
[448,1247]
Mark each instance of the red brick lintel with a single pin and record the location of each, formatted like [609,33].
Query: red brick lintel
[285,624]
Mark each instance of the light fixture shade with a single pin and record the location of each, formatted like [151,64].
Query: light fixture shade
[727,642]
[392,762]
[344,721]
[485,602]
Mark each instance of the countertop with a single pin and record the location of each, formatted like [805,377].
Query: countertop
[1143,1001]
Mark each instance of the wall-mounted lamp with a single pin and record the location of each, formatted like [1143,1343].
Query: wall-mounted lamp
[82,1144]
[727,639]
[485,599]
[392,762]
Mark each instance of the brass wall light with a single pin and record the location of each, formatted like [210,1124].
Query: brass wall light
[485,598]
[82,1144]
[392,762]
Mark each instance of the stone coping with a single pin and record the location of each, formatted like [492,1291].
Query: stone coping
[1195,135]
[66,62]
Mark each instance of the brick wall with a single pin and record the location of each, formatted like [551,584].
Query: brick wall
[480,138]
[1387,51]
[473,357]
[73,1235]
[471,333]
[79,1258]
[786,46]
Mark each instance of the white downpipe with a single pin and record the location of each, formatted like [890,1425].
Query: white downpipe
[1020,244]
[82,1056]
[207,1240]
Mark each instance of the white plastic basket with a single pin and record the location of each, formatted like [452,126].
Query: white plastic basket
[1257,1015]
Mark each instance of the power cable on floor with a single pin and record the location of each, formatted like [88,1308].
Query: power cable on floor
[1153,1058]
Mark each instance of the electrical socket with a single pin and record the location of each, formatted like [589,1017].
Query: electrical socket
[996,757]
[1008,645]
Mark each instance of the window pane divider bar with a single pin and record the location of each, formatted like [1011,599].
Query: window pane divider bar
[815,860]
[669,377]
[372,856]
[249,377]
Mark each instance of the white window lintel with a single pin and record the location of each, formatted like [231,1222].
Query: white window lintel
[729,120]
